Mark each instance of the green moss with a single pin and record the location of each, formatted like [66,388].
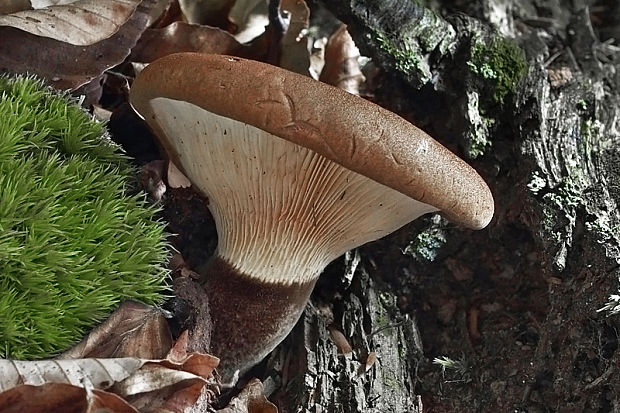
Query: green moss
[478,137]
[502,61]
[426,245]
[73,243]
[565,197]
[407,59]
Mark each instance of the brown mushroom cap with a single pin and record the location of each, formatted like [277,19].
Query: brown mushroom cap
[344,128]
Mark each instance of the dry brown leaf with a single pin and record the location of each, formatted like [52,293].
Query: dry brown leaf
[151,178]
[101,114]
[341,342]
[177,387]
[208,12]
[12,6]
[183,37]
[341,67]
[61,397]
[82,23]
[67,66]
[94,373]
[133,330]
[40,4]
[250,18]
[250,400]
[176,179]
[170,14]
[197,363]
[172,384]
[171,399]
[180,268]
[294,54]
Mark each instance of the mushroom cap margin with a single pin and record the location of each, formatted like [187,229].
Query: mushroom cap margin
[344,128]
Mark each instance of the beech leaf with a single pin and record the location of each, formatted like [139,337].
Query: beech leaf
[341,67]
[133,330]
[209,12]
[176,179]
[184,37]
[94,373]
[61,397]
[67,66]
[294,49]
[250,400]
[81,23]
[12,6]
[250,18]
[172,384]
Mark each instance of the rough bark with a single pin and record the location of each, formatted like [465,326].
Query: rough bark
[517,306]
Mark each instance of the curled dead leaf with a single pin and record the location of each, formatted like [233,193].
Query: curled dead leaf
[250,400]
[250,18]
[176,179]
[81,23]
[341,67]
[151,178]
[61,397]
[67,66]
[184,37]
[294,54]
[12,6]
[93,372]
[207,12]
[133,330]
[341,342]
[169,385]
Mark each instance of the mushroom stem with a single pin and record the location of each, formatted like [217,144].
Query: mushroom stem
[250,317]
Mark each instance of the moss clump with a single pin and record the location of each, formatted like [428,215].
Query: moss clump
[407,59]
[427,243]
[502,61]
[73,243]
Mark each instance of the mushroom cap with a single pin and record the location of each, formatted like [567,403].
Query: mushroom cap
[351,131]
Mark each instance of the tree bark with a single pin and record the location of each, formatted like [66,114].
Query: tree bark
[521,313]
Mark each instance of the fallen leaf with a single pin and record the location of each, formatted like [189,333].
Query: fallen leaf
[341,342]
[12,6]
[40,4]
[294,54]
[250,400]
[66,66]
[101,114]
[149,385]
[133,330]
[81,23]
[341,67]
[90,93]
[170,14]
[250,18]
[208,12]
[61,397]
[180,268]
[151,179]
[184,37]
[176,179]
[94,372]
[175,389]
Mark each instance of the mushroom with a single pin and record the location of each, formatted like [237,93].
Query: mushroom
[297,172]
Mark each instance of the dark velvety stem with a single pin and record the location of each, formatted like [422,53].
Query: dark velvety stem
[250,318]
